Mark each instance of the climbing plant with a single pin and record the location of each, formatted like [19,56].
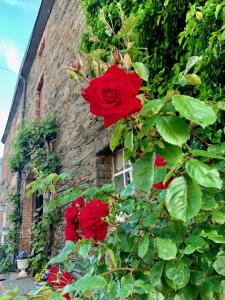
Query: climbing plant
[33,146]
[11,238]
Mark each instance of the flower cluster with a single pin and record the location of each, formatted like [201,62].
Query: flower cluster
[60,279]
[160,162]
[113,95]
[86,220]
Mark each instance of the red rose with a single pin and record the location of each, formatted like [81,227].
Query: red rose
[160,162]
[90,220]
[60,280]
[113,96]
[52,275]
[71,214]
[78,202]
[70,232]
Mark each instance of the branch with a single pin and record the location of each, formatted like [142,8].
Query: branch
[123,269]
[200,139]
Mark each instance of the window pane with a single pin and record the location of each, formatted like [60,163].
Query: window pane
[128,177]
[118,162]
[119,181]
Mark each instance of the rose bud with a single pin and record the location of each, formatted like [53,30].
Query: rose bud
[75,64]
[117,56]
[127,61]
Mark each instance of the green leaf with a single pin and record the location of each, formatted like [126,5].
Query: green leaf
[21,298]
[63,255]
[177,274]
[143,172]
[173,130]
[203,174]
[156,272]
[219,265]
[111,258]
[143,246]
[152,106]
[197,278]
[155,296]
[142,70]
[147,287]
[165,248]
[129,140]
[189,79]
[126,288]
[172,154]
[217,149]
[218,217]
[213,236]
[85,248]
[117,136]
[193,60]
[57,296]
[194,110]
[183,199]
[206,291]
[203,153]
[86,283]
[149,123]
[194,243]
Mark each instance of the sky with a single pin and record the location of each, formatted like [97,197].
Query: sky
[17,18]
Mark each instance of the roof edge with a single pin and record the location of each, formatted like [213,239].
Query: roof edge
[27,62]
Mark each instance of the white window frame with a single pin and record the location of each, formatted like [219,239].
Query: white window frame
[124,169]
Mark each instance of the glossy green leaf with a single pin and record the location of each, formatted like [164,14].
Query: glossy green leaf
[183,199]
[173,130]
[156,272]
[63,255]
[86,283]
[203,174]
[177,274]
[153,106]
[217,149]
[155,296]
[142,70]
[117,136]
[213,236]
[203,153]
[85,248]
[126,288]
[143,246]
[193,243]
[165,248]
[193,60]
[129,140]
[194,110]
[143,172]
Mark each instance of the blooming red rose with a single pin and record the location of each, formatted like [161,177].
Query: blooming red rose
[78,202]
[70,232]
[113,96]
[71,214]
[59,279]
[160,162]
[90,220]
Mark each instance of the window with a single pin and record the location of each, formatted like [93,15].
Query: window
[122,170]
[39,97]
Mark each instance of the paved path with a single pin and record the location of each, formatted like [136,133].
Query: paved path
[12,282]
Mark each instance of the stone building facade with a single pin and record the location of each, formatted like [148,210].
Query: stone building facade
[44,88]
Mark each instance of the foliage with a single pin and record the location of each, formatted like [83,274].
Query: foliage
[43,227]
[32,146]
[168,243]
[9,249]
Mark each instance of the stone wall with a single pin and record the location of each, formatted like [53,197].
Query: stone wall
[82,141]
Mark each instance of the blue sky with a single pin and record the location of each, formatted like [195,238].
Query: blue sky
[17,19]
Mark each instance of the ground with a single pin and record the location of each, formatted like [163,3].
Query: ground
[12,282]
